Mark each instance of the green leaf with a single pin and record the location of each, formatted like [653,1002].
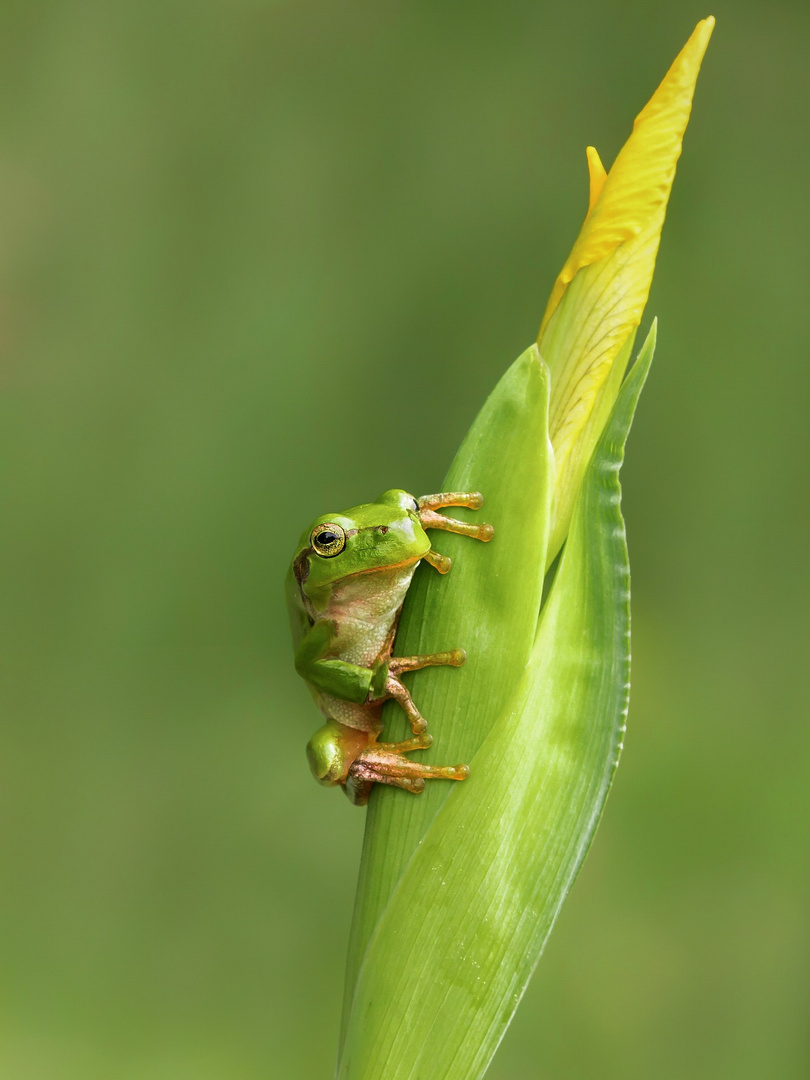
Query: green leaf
[487,604]
[453,948]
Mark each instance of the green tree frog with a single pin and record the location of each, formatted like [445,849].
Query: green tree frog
[345,590]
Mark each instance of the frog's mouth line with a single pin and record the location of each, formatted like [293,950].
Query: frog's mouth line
[393,566]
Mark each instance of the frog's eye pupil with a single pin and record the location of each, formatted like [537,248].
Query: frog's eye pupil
[328,540]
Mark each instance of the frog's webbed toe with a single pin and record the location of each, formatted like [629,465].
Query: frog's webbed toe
[439,562]
[472,499]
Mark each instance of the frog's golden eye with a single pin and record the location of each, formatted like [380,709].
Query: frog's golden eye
[328,540]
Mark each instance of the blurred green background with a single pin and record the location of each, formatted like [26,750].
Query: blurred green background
[263,260]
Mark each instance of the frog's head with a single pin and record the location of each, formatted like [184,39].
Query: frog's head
[377,536]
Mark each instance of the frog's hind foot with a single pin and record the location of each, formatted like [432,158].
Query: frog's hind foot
[384,763]
[428,505]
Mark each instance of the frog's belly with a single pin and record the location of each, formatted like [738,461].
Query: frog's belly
[362,717]
[358,642]
[364,619]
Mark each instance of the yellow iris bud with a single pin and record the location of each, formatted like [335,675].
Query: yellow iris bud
[599,296]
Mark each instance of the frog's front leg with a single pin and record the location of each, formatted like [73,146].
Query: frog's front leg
[429,519]
[392,687]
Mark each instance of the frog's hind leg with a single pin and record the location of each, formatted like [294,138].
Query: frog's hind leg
[399,692]
[384,763]
[386,768]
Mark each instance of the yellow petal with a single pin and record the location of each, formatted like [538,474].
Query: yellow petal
[638,186]
[598,299]
[596,174]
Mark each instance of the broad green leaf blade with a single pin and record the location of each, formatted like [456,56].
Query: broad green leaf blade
[454,949]
[487,605]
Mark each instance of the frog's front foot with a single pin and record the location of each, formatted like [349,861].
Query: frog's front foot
[429,519]
[399,692]
[385,763]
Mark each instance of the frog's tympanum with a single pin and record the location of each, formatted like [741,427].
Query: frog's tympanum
[345,589]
